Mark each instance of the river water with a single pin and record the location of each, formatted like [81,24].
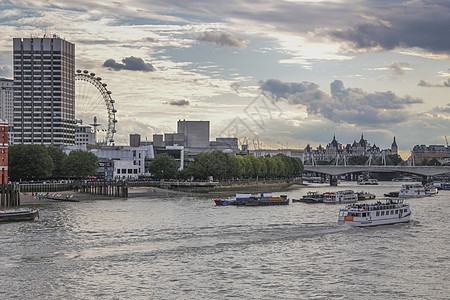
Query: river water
[187,248]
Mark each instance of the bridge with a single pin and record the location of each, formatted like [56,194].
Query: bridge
[424,171]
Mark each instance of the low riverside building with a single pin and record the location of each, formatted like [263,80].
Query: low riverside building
[191,139]
[420,153]
[132,158]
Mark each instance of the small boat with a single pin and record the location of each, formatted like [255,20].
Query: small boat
[310,197]
[412,190]
[362,215]
[368,182]
[431,190]
[391,194]
[346,196]
[365,196]
[15,215]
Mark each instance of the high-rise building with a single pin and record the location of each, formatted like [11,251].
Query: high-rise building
[196,133]
[6,103]
[44,91]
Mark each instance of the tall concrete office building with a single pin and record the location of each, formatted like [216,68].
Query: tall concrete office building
[44,91]
[195,133]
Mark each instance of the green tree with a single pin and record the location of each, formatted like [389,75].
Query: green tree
[434,162]
[80,164]
[394,160]
[357,160]
[58,156]
[163,166]
[29,162]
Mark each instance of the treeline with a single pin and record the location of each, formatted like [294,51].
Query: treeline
[222,166]
[39,162]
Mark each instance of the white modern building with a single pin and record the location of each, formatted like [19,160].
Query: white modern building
[84,135]
[125,169]
[133,156]
[44,91]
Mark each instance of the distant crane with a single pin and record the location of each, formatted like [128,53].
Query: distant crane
[446,141]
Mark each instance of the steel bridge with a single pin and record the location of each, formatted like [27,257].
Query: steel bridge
[333,171]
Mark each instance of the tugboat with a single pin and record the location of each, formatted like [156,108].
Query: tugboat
[362,215]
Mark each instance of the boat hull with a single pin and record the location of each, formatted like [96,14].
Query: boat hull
[17,216]
[368,223]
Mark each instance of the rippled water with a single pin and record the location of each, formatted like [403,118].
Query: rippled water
[187,248]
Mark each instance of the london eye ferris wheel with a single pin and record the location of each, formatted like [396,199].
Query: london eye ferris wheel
[95,107]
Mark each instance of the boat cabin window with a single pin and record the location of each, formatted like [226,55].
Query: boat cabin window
[396,211]
[382,213]
[363,214]
[378,213]
[387,213]
[405,210]
[392,212]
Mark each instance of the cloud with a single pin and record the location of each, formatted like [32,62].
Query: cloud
[424,83]
[397,68]
[410,24]
[221,38]
[351,105]
[179,102]
[130,63]
[5,71]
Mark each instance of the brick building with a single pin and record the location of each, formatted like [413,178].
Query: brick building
[4,151]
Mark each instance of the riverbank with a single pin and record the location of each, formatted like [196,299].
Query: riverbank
[155,192]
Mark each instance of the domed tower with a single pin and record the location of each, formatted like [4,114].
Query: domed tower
[394,147]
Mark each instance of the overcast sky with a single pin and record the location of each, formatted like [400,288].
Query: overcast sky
[285,73]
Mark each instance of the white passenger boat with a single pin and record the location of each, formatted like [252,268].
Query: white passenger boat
[346,196]
[412,190]
[390,212]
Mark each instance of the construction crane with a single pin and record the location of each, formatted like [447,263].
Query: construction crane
[446,141]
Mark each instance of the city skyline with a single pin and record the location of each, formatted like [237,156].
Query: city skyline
[287,73]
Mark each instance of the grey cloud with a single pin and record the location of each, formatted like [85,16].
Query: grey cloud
[351,105]
[397,68]
[441,110]
[410,24]
[221,39]
[130,63]
[424,83]
[179,102]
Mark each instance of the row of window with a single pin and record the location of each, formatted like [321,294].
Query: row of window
[124,171]
[378,213]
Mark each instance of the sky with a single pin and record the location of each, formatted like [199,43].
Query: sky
[275,74]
